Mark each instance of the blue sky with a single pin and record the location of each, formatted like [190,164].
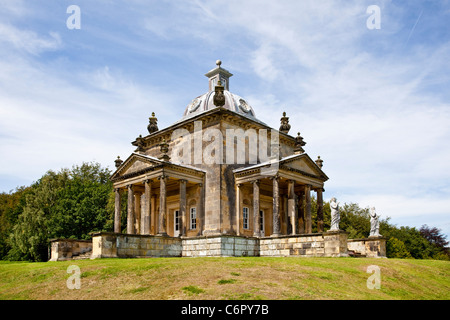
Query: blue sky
[374,104]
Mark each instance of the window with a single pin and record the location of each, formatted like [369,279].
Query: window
[245,217]
[193,218]
[261,221]
[176,223]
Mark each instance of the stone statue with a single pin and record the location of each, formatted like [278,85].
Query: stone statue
[374,223]
[335,216]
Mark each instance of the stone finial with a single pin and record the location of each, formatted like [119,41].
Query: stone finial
[140,143]
[219,97]
[164,148]
[118,162]
[153,126]
[299,143]
[285,126]
[319,162]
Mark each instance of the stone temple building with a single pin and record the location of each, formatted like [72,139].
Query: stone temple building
[218,182]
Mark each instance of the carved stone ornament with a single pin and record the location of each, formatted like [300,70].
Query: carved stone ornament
[299,143]
[193,106]
[244,105]
[285,126]
[118,162]
[153,126]
[140,143]
[219,97]
[164,148]
[319,162]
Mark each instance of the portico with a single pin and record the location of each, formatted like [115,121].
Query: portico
[160,197]
[280,204]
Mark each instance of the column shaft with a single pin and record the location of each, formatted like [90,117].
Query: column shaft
[130,210]
[117,207]
[308,221]
[145,221]
[276,208]
[183,207]
[319,210]
[162,206]
[291,206]
[256,229]
[238,208]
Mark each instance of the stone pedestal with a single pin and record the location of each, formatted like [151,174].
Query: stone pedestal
[335,243]
[376,247]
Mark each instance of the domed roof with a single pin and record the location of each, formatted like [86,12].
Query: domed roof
[205,102]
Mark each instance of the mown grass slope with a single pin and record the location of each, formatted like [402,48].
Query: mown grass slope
[227,278]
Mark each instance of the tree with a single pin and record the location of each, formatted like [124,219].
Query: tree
[396,248]
[67,204]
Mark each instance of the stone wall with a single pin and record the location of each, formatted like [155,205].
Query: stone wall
[113,245]
[372,247]
[220,246]
[70,249]
[328,244]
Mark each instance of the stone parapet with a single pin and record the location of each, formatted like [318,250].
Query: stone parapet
[372,247]
[70,249]
[220,246]
[118,245]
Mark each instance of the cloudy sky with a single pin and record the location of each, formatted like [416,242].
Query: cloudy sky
[374,103]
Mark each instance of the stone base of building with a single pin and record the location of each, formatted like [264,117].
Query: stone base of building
[118,245]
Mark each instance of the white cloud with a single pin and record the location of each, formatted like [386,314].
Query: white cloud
[28,40]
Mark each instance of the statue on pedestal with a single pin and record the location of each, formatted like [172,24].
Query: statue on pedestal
[335,216]
[374,223]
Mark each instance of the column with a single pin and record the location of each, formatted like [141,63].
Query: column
[130,210]
[276,207]
[308,221]
[145,220]
[201,209]
[238,208]
[301,212]
[162,206]
[183,207]
[137,212]
[291,206]
[256,231]
[117,207]
[319,210]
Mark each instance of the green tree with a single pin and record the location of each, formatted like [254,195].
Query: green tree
[396,248]
[67,204]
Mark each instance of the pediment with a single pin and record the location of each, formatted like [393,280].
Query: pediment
[303,164]
[136,164]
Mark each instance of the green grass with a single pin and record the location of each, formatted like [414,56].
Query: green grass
[227,278]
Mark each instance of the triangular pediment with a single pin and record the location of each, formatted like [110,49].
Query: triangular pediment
[136,164]
[304,164]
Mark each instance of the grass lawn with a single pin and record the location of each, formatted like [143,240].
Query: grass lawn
[227,278]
